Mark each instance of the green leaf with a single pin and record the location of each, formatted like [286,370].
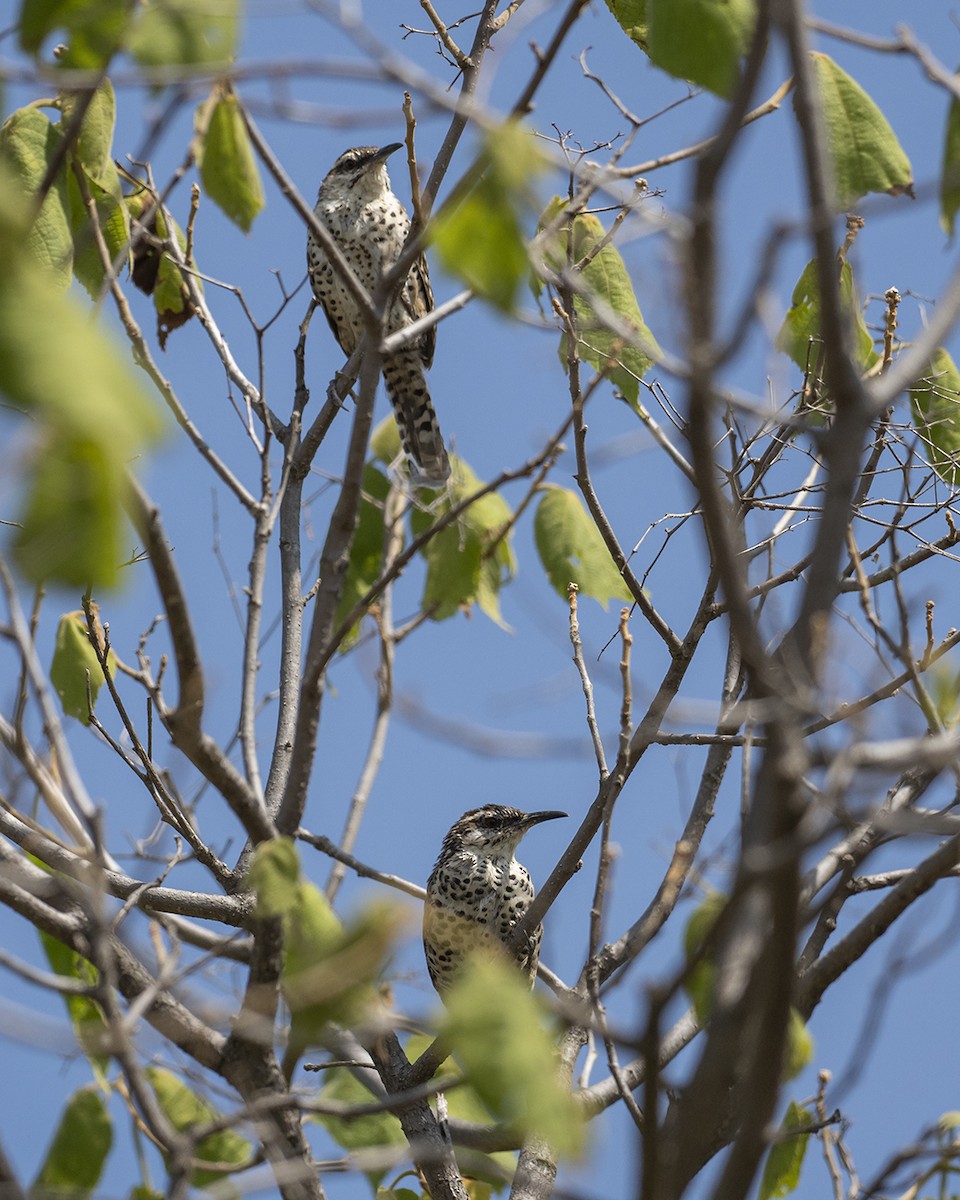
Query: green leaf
[799,1049]
[75,1160]
[185,1111]
[604,276]
[358,1133]
[480,238]
[366,554]
[228,168]
[93,32]
[185,32]
[866,154]
[701,40]
[495,1026]
[114,223]
[93,148]
[935,406]
[572,550]
[781,1172]
[71,526]
[328,968]
[86,1016]
[701,976]
[950,178]
[74,660]
[803,322]
[468,562]
[631,16]
[28,145]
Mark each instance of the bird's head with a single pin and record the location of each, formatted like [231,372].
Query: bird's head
[362,170]
[494,829]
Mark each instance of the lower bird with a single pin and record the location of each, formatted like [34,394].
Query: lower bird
[478,892]
[370,226]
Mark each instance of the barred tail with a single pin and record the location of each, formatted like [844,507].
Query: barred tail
[419,431]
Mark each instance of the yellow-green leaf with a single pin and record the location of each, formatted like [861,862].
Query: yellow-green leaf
[701,40]
[572,550]
[74,1163]
[701,973]
[864,149]
[803,322]
[470,561]
[183,32]
[28,144]
[75,663]
[357,1133]
[631,16]
[114,223]
[950,177]
[185,1111]
[799,1049]
[93,32]
[781,1172]
[604,278]
[935,406]
[366,553]
[228,168]
[86,1016]
[496,1028]
[480,238]
[93,148]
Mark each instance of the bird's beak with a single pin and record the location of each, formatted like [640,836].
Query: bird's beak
[385,151]
[537,817]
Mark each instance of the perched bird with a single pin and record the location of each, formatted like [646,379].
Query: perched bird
[477,892]
[370,226]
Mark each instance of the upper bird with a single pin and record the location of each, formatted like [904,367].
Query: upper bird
[370,226]
[477,892]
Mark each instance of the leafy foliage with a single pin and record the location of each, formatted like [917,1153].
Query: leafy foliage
[572,550]
[803,323]
[228,168]
[781,1172]
[479,238]
[186,1111]
[950,174]
[75,667]
[864,149]
[86,1016]
[75,1160]
[935,406]
[495,1027]
[710,58]
[603,287]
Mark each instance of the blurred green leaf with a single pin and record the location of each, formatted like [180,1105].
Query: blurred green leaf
[799,1049]
[702,41]
[366,553]
[74,659]
[225,157]
[86,1016]
[466,563]
[701,976]
[572,550]
[480,239]
[357,1133]
[864,149]
[803,322]
[781,1172]
[604,275]
[495,1026]
[185,32]
[328,968]
[950,175]
[75,1160]
[185,1111]
[93,32]
[28,144]
[935,407]
[631,16]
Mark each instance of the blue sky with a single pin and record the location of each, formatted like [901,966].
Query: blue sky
[500,393]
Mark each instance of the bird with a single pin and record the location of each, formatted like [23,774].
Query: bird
[370,226]
[477,892]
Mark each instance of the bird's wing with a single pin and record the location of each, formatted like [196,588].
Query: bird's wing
[418,301]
